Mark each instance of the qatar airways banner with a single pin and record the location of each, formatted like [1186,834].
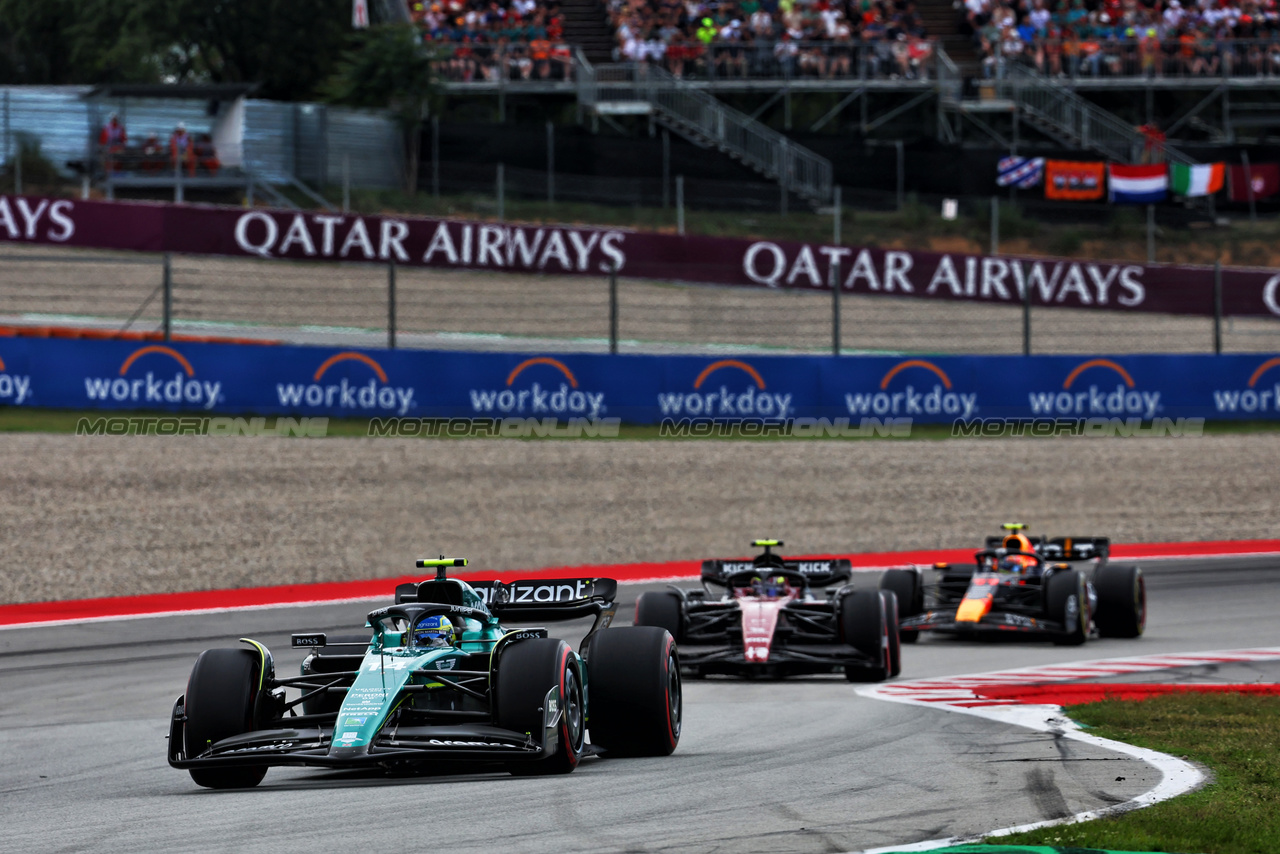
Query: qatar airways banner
[558,250]
[229,379]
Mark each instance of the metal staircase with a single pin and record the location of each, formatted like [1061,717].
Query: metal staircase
[634,89]
[1063,115]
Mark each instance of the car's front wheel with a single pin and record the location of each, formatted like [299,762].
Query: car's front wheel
[1067,602]
[864,624]
[527,672]
[661,608]
[219,703]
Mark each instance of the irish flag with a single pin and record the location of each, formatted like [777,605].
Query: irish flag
[1203,179]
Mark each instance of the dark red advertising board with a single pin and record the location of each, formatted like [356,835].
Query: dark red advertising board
[558,250]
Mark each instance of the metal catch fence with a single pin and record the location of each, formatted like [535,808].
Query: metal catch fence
[371,305]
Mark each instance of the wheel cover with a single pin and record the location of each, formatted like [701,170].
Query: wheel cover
[572,710]
[1071,614]
[1140,594]
[675,703]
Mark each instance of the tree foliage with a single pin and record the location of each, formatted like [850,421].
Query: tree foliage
[286,46]
[388,68]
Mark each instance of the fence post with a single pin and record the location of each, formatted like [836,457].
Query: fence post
[1151,234]
[177,179]
[837,205]
[1248,179]
[1217,308]
[784,174]
[1026,308]
[613,308]
[902,174]
[551,163]
[167,282]
[502,201]
[666,169]
[391,304]
[346,182]
[680,205]
[995,225]
[435,157]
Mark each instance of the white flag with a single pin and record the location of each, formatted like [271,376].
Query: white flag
[360,14]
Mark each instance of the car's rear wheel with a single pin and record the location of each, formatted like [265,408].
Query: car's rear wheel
[633,678]
[1122,601]
[661,608]
[954,581]
[219,703]
[864,625]
[1067,602]
[905,584]
[527,671]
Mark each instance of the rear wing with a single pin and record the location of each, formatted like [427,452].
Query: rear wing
[997,541]
[1074,548]
[818,573]
[548,598]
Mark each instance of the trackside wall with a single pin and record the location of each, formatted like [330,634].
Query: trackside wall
[229,379]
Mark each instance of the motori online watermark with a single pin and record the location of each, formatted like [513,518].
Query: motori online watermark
[784,428]
[198,425]
[505,428]
[1102,427]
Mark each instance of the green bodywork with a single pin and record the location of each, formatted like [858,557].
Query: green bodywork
[391,663]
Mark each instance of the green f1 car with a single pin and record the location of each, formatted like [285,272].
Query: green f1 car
[442,682]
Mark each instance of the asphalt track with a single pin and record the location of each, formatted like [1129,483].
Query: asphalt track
[795,766]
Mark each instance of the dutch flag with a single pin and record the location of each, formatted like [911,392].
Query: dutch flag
[1139,185]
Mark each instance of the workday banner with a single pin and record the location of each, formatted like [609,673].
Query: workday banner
[574,250]
[229,379]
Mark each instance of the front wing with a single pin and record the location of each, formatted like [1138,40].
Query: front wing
[791,660]
[393,745]
[944,620]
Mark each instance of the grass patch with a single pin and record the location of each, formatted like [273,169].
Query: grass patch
[23,419]
[1237,736]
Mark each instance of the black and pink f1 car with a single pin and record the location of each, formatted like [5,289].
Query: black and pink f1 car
[761,618]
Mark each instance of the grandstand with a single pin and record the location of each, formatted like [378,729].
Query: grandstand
[789,78]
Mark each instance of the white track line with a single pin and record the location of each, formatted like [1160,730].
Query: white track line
[955,694]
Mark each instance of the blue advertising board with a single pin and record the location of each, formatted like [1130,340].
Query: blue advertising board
[232,379]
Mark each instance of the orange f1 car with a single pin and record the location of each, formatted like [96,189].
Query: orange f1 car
[1063,588]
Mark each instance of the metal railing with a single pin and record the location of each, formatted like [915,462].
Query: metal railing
[372,305]
[799,60]
[496,63]
[1079,122]
[1093,59]
[698,115]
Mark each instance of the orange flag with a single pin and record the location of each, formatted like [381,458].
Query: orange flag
[1073,181]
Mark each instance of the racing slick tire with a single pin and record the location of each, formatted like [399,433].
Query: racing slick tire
[527,670]
[954,582]
[637,707]
[905,583]
[1067,601]
[864,624]
[895,634]
[662,609]
[219,704]
[1122,601]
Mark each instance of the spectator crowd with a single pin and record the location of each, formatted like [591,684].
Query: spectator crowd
[740,38]
[522,39]
[493,39]
[1127,38]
